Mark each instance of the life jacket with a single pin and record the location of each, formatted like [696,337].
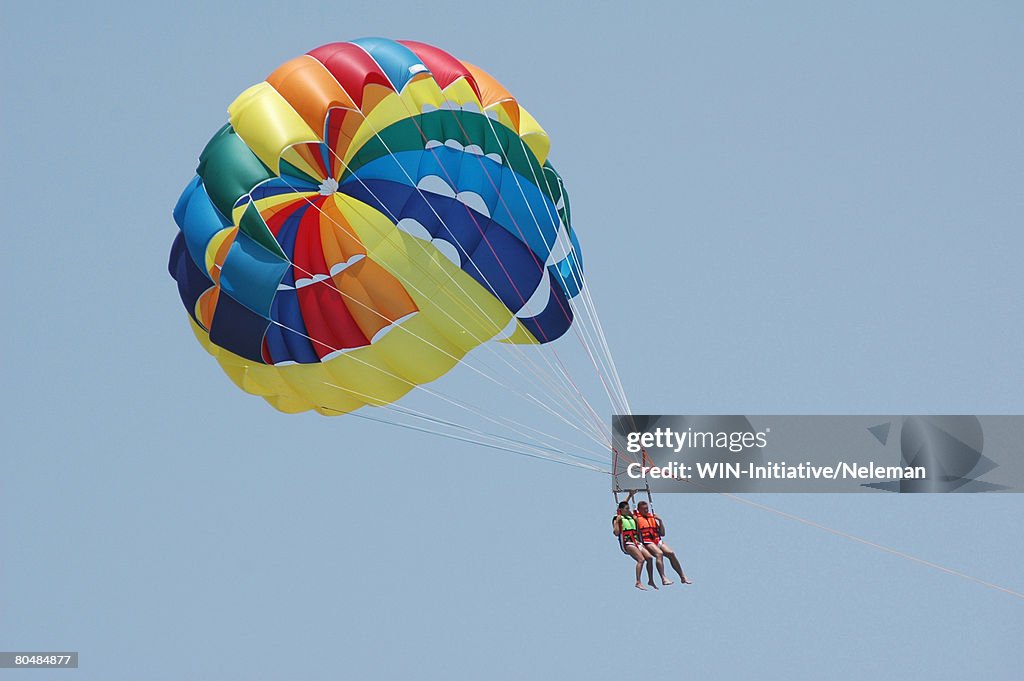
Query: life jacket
[648,527]
[628,532]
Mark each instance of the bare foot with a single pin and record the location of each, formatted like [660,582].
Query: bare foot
[652,583]
[640,586]
[667,582]
[686,581]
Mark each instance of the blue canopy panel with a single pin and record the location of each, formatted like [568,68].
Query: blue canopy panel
[250,274]
[198,219]
[499,261]
[505,266]
[192,281]
[569,270]
[556,317]
[443,217]
[235,327]
[397,61]
[508,198]
[238,329]
[454,170]
[287,341]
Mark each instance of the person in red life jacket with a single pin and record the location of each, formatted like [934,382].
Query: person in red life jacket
[625,528]
[651,531]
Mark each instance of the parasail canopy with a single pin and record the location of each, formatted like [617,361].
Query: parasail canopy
[369,214]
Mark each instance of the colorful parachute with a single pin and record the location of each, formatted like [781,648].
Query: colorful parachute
[370,213]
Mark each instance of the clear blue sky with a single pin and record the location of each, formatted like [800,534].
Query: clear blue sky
[784,207]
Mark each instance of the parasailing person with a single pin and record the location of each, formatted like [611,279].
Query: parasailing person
[624,526]
[652,532]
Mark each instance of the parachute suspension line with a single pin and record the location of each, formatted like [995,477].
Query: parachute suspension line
[874,545]
[475,442]
[596,321]
[599,433]
[555,219]
[412,116]
[512,425]
[601,426]
[598,462]
[450,400]
[581,330]
[540,232]
[586,344]
[488,377]
[480,341]
[547,451]
[536,445]
[515,424]
[528,397]
[591,315]
[568,401]
[466,137]
[520,445]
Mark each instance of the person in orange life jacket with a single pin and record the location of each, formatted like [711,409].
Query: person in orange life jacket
[624,527]
[651,530]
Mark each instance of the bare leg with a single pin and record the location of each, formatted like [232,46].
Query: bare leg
[650,567]
[637,554]
[667,550]
[659,560]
